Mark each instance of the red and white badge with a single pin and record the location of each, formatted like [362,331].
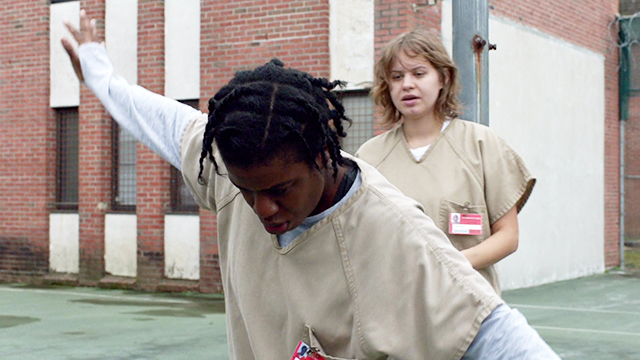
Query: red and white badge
[465,224]
[304,351]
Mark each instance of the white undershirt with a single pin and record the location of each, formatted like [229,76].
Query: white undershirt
[418,152]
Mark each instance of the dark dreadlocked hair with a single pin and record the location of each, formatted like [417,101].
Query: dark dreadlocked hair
[272,111]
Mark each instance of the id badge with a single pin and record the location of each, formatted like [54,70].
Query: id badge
[465,224]
[304,351]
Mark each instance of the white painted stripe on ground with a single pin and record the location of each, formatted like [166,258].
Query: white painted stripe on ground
[559,308]
[113,297]
[537,327]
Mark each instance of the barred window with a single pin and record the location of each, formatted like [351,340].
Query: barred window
[181,198]
[67,158]
[124,162]
[359,108]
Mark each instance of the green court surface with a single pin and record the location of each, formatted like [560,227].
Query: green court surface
[596,317]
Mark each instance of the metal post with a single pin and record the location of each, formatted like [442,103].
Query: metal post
[622,177]
[470,53]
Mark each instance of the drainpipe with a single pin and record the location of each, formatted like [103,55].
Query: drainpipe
[623,94]
[622,215]
[470,53]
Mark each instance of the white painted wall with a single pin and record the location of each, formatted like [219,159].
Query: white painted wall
[120,244]
[64,85]
[547,101]
[182,247]
[182,49]
[351,42]
[121,37]
[64,250]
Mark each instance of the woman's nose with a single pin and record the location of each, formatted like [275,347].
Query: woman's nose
[264,206]
[407,82]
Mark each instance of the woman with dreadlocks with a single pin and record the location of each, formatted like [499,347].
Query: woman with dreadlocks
[348,266]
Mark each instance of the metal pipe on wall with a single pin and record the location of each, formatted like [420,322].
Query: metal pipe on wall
[470,53]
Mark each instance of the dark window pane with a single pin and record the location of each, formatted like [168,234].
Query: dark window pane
[124,169]
[67,159]
[359,108]
[181,198]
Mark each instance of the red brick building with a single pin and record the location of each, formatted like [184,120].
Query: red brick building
[67,172]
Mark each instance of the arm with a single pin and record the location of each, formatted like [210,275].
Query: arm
[155,120]
[505,334]
[502,242]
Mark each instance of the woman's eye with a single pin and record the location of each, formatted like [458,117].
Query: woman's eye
[278,191]
[396,77]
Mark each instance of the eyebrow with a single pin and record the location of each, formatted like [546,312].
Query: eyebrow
[413,68]
[274,187]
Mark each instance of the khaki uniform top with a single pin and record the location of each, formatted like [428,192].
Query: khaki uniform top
[375,279]
[468,169]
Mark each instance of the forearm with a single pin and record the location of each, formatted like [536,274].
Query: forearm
[502,242]
[505,334]
[155,120]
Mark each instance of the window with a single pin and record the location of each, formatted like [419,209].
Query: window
[181,198]
[67,159]
[123,179]
[359,108]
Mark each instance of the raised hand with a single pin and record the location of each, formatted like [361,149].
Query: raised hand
[87,33]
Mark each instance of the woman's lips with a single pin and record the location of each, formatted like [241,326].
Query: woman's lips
[410,100]
[277,229]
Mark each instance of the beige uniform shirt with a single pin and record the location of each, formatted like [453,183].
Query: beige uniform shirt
[468,169]
[375,279]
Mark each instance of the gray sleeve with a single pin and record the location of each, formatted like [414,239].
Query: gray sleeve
[155,120]
[505,334]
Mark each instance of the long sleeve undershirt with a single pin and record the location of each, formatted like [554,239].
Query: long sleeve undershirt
[155,120]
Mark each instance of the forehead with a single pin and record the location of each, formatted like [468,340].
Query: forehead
[409,60]
[274,173]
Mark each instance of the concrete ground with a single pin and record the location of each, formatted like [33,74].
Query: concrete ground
[596,317]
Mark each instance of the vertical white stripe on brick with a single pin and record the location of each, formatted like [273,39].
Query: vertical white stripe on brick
[120,244]
[64,85]
[446,25]
[64,235]
[182,49]
[182,247]
[351,41]
[121,37]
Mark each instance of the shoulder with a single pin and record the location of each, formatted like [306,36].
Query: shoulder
[380,187]
[377,148]
[470,130]
[470,137]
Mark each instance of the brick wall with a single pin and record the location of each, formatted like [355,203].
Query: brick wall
[94,171]
[589,24]
[235,35]
[153,174]
[27,140]
[239,35]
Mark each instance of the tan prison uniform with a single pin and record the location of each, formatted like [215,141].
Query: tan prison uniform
[468,169]
[375,279]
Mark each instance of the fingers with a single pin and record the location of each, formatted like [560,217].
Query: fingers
[73,56]
[74,32]
[88,30]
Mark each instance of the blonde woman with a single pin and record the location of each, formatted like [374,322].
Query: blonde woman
[470,182]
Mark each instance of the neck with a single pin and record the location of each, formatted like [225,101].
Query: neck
[331,186]
[421,132]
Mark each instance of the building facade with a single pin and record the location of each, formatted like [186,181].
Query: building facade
[81,202]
